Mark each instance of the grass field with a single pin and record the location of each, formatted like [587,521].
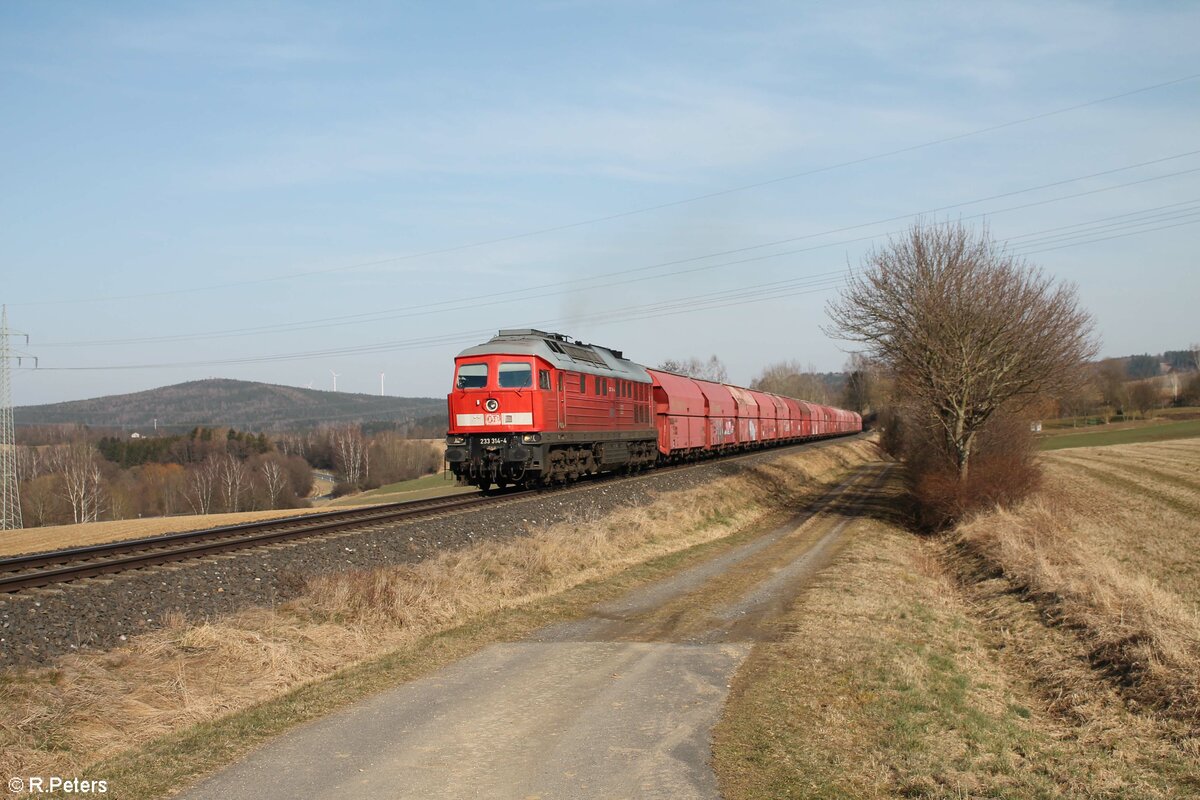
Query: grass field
[417,489]
[1138,505]
[1152,430]
[1050,651]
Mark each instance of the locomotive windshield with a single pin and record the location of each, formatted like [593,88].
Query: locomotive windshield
[515,375]
[471,376]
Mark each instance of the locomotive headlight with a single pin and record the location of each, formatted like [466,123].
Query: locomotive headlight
[491,404]
[456,440]
[531,438]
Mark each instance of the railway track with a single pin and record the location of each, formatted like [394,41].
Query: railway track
[63,566]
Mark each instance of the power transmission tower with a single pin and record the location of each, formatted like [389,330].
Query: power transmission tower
[10,500]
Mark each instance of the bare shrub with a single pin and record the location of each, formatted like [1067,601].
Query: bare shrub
[1143,396]
[1191,393]
[395,459]
[1004,471]
[892,432]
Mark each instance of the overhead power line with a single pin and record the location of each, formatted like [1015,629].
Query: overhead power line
[757,293]
[1153,211]
[1087,231]
[1108,238]
[636,211]
[598,281]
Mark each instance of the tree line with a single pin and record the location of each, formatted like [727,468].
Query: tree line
[857,388]
[70,474]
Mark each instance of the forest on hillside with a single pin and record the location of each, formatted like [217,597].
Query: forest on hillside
[246,405]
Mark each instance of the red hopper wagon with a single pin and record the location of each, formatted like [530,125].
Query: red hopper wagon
[536,408]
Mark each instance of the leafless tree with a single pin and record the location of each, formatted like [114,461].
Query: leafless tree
[711,370]
[41,500]
[351,453]
[1195,348]
[202,484]
[1143,396]
[964,327]
[82,481]
[1191,390]
[395,458]
[1110,380]
[791,379]
[290,445]
[31,462]
[232,479]
[1079,402]
[274,479]
[861,388]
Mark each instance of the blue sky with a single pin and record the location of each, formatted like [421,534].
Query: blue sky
[218,189]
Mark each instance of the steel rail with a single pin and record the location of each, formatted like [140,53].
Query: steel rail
[83,562]
[128,545]
[25,572]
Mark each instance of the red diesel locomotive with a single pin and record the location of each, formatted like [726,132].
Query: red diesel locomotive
[536,408]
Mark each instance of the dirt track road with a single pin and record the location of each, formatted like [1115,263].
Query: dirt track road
[618,705]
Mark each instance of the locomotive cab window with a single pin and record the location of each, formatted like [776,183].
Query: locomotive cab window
[544,379]
[515,375]
[472,376]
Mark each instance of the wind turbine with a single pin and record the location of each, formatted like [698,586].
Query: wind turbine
[335,377]
[381,384]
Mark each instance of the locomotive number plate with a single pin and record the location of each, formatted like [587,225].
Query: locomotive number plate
[493,440]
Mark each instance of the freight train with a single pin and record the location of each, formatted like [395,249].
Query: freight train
[533,408]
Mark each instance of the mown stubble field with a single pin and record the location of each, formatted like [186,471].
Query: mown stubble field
[1048,651]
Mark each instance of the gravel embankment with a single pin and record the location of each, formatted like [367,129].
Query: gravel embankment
[38,625]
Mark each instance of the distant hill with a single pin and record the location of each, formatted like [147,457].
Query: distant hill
[244,405]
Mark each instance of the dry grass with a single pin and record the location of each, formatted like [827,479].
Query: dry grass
[1109,550]
[57,537]
[90,707]
[891,682]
